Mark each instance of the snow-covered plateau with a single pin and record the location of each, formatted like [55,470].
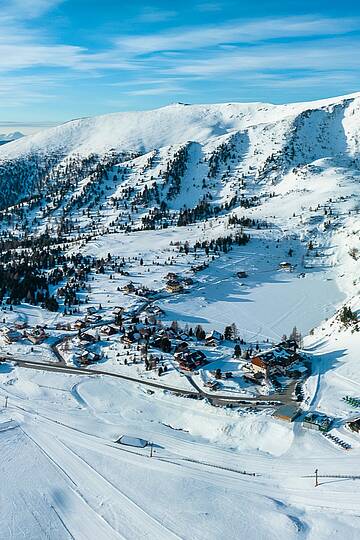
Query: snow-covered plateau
[179,325]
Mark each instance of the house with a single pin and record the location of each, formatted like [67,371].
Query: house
[118,311]
[91,310]
[87,338]
[174,287]
[9,336]
[36,336]
[285,266]
[317,421]
[129,288]
[354,425]
[254,378]
[87,358]
[20,325]
[182,346]
[171,276]
[190,361]
[214,335]
[79,324]
[108,330]
[63,326]
[92,319]
[273,361]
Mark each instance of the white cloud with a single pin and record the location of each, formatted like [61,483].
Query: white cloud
[311,55]
[209,7]
[24,9]
[236,32]
[153,15]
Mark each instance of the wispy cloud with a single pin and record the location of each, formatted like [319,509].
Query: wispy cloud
[23,9]
[154,15]
[238,32]
[209,7]
[285,52]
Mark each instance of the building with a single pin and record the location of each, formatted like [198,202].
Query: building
[273,361]
[317,421]
[108,330]
[129,288]
[287,412]
[354,425]
[285,266]
[174,287]
[36,336]
[79,324]
[118,310]
[9,336]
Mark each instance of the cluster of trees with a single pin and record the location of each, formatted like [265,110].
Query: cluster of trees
[223,243]
[220,156]
[348,318]
[21,177]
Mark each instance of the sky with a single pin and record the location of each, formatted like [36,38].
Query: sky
[64,59]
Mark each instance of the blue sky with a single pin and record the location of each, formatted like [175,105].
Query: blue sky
[61,59]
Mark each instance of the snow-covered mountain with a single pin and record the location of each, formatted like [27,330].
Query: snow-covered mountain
[265,141]
[8,137]
[121,231]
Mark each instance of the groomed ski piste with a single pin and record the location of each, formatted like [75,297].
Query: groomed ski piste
[207,472]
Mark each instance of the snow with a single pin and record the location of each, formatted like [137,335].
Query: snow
[215,472]
[174,124]
[86,485]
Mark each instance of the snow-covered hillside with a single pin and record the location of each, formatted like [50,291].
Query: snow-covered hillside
[8,137]
[218,230]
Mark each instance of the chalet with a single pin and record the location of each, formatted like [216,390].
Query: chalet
[36,336]
[212,339]
[182,346]
[87,358]
[91,310]
[190,361]
[254,378]
[79,324]
[354,425]
[92,319]
[199,267]
[273,361]
[118,311]
[171,276]
[63,326]
[87,338]
[20,325]
[129,288]
[214,335]
[289,344]
[9,336]
[108,330]
[285,266]
[174,287]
